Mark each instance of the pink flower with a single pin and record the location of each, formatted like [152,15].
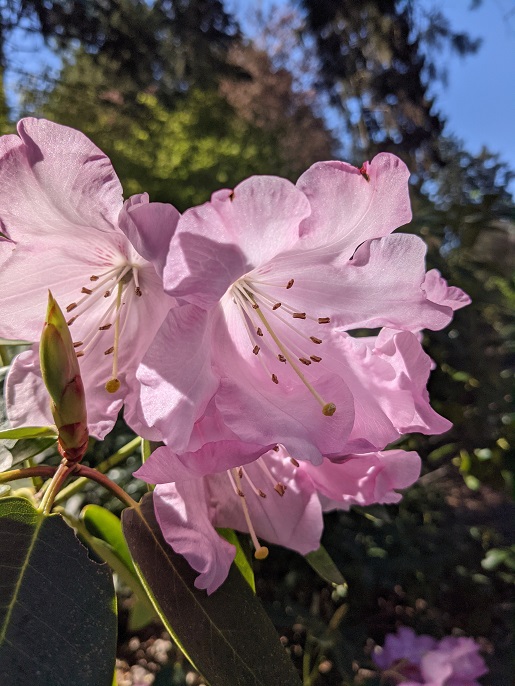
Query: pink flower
[271,277]
[453,661]
[60,202]
[272,497]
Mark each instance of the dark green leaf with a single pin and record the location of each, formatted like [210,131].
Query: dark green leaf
[28,448]
[227,635]
[106,526]
[57,606]
[321,562]
[29,432]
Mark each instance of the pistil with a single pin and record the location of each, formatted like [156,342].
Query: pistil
[261,551]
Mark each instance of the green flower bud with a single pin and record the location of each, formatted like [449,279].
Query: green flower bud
[61,374]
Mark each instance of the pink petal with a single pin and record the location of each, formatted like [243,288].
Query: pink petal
[438,291]
[346,209]
[61,173]
[293,520]
[219,241]
[364,479]
[290,416]
[27,400]
[149,227]
[380,286]
[165,466]
[177,386]
[182,513]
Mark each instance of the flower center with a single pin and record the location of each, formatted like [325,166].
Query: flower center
[259,309]
[106,296]
[237,477]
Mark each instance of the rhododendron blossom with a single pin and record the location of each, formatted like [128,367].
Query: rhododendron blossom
[414,660]
[271,277]
[274,498]
[60,202]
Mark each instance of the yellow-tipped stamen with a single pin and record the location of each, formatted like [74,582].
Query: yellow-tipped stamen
[295,368]
[261,551]
[114,383]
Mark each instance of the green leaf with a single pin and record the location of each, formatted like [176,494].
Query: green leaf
[57,606]
[227,635]
[241,560]
[28,448]
[106,526]
[103,532]
[29,432]
[322,563]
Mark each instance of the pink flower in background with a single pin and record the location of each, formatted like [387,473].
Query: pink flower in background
[270,278]
[60,202]
[272,497]
[413,660]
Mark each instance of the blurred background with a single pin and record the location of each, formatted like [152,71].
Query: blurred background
[188,96]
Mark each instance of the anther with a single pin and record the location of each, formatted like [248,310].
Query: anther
[316,340]
[70,321]
[108,293]
[261,553]
[281,358]
[280,488]
[71,307]
[324,320]
[255,306]
[259,332]
[88,291]
[104,327]
[315,358]
[109,351]
[240,493]
[262,495]
[137,290]
[276,448]
[80,353]
[290,283]
[94,278]
[276,306]
[240,472]
[256,349]
[294,462]
[78,344]
[363,172]
[329,409]
[112,385]
[300,315]
[304,361]
[275,379]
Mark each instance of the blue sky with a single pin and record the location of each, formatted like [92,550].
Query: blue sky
[479,100]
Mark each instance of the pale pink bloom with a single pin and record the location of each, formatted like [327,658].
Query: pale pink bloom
[271,276]
[60,207]
[414,660]
[273,497]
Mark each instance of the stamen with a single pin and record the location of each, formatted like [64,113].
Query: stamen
[78,344]
[70,321]
[299,315]
[256,349]
[294,462]
[256,490]
[281,358]
[80,353]
[276,306]
[138,292]
[324,320]
[290,283]
[259,332]
[114,383]
[275,379]
[255,306]
[315,340]
[107,294]
[304,361]
[94,278]
[71,307]
[88,291]
[278,487]
[105,327]
[276,448]
[235,488]
[261,551]
[109,350]
[137,288]
[315,358]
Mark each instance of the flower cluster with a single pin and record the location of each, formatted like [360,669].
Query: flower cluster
[269,338]
[413,660]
